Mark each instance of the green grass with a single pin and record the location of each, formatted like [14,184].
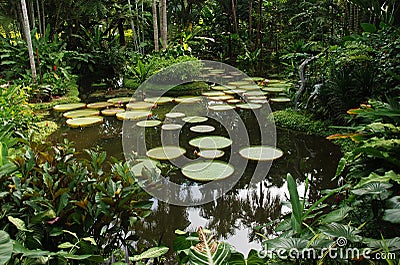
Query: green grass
[305,122]
[44,129]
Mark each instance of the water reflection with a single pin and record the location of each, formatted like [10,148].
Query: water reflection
[234,215]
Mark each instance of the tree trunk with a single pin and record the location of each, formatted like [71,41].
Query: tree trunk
[32,14]
[258,35]
[164,26]
[135,42]
[27,32]
[250,18]
[235,23]
[121,32]
[39,17]
[155,26]
[43,19]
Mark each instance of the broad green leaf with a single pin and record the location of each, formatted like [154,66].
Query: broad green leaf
[392,244]
[368,27]
[66,245]
[337,215]
[392,215]
[373,177]
[19,224]
[285,243]
[151,253]
[6,247]
[378,190]
[297,210]
[90,239]
[338,230]
[208,257]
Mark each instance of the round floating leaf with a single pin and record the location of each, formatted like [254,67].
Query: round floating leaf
[255,93]
[159,100]
[208,170]
[221,98]
[213,94]
[81,113]
[221,107]
[250,87]
[166,152]
[175,115]
[146,163]
[280,100]
[255,79]
[211,154]
[261,153]
[195,119]
[227,77]
[84,122]
[233,101]
[235,91]
[274,89]
[219,88]
[68,107]
[202,128]
[211,142]
[259,101]
[148,123]
[217,71]
[140,105]
[249,106]
[275,81]
[188,99]
[99,105]
[256,98]
[285,85]
[133,115]
[239,83]
[111,111]
[121,100]
[171,127]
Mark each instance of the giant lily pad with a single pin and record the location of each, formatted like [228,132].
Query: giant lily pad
[280,99]
[208,170]
[255,79]
[202,128]
[235,91]
[274,89]
[68,107]
[81,113]
[175,115]
[219,88]
[259,101]
[255,93]
[133,115]
[84,122]
[211,154]
[121,100]
[99,105]
[188,99]
[249,106]
[148,123]
[221,98]
[223,107]
[260,153]
[213,94]
[140,105]
[159,100]
[239,83]
[195,119]
[171,127]
[166,152]
[111,111]
[250,87]
[233,101]
[211,142]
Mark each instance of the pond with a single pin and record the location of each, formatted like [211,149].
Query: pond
[234,215]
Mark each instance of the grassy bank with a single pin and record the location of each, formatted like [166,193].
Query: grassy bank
[305,122]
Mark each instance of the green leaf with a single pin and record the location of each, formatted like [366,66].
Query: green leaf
[297,210]
[378,190]
[392,244]
[373,177]
[392,215]
[90,239]
[19,224]
[368,27]
[208,257]
[151,253]
[6,247]
[341,166]
[337,215]
[338,230]
[66,245]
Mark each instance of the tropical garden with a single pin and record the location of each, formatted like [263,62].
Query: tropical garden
[75,74]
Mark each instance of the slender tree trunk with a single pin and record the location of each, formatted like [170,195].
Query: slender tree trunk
[164,25]
[142,17]
[155,26]
[234,17]
[121,32]
[258,35]
[39,17]
[135,41]
[43,18]
[32,14]
[27,31]
[250,18]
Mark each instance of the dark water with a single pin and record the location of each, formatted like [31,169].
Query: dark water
[234,215]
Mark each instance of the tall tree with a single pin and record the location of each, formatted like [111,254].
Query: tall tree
[164,24]
[27,31]
[155,26]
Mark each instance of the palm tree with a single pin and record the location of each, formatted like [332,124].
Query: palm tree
[164,24]
[155,26]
